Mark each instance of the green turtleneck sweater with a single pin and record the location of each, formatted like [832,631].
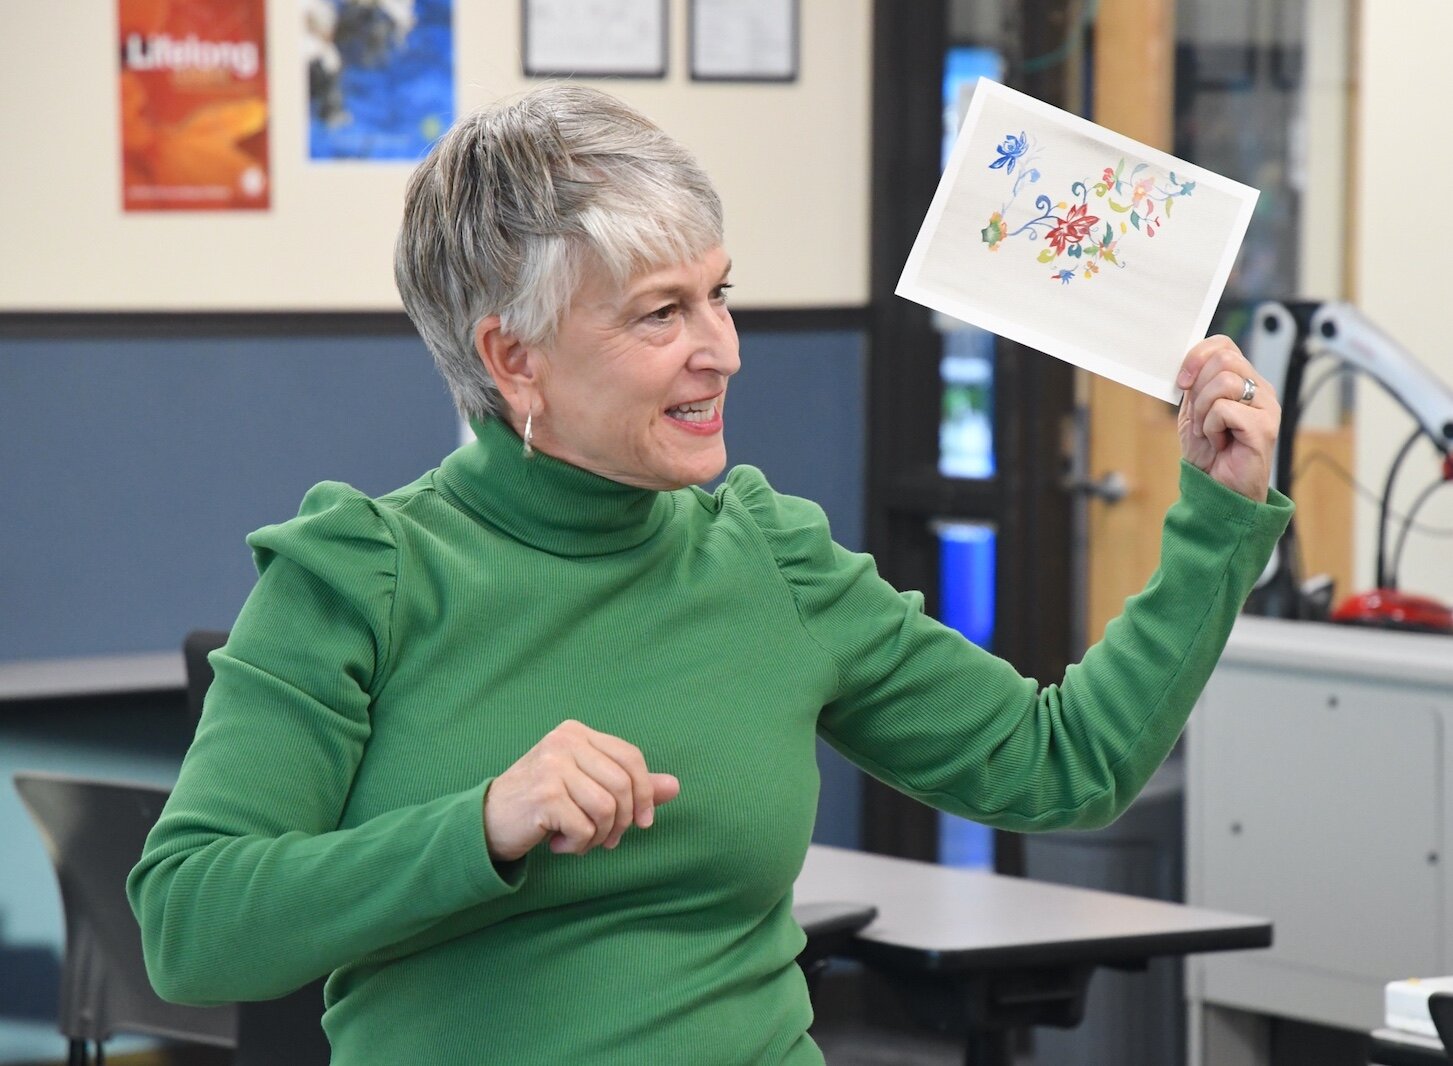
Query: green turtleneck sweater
[397,654]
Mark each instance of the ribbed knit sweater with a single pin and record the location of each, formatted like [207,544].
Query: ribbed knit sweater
[397,654]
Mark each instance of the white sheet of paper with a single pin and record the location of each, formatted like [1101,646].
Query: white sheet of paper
[1009,244]
[624,37]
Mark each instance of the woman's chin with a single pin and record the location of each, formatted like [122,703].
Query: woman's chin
[698,469]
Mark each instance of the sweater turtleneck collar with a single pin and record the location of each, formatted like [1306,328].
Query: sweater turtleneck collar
[545,502]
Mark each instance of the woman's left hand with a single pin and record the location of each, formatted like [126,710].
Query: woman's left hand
[1228,438]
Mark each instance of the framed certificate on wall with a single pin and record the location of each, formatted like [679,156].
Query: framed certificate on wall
[744,40]
[594,38]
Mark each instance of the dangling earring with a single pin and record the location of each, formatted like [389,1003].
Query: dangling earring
[529,448]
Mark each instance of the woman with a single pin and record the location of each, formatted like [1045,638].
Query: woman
[442,755]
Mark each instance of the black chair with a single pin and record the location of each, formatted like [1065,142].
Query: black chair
[94,832]
[1392,1048]
[1440,1009]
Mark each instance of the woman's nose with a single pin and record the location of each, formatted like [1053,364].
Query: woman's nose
[715,345]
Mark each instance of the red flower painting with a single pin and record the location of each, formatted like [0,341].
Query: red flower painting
[1072,229]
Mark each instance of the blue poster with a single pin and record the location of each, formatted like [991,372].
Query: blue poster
[380,77]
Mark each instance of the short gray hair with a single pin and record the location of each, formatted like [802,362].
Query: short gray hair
[518,199]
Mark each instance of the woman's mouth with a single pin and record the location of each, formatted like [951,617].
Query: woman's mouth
[700,416]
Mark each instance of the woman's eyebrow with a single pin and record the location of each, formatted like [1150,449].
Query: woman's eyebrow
[659,292]
[673,292]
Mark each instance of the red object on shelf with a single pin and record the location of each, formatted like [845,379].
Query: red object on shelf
[1391,609]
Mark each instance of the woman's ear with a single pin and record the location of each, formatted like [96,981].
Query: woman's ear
[515,367]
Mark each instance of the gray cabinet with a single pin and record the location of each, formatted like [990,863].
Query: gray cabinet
[1317,797]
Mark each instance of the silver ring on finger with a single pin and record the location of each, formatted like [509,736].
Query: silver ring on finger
[1248,392]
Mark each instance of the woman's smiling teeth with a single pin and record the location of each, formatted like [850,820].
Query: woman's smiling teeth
[701,411]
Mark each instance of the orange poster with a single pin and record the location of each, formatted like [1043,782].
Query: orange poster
[193,105]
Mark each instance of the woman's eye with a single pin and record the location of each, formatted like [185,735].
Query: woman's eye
[719,294]
[662,314]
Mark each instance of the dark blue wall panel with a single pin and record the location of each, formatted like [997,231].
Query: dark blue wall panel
[131,469]
[798,410]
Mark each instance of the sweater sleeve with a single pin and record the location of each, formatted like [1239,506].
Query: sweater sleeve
[922,709]
[247,888]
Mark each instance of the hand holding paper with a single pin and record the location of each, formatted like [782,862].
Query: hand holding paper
[1228,427]
[1074,240]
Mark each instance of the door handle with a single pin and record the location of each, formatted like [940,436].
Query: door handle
[1110,487]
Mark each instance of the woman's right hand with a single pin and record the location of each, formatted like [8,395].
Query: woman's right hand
[578,787]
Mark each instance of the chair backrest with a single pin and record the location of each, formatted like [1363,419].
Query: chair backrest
[1440,1009]
[195,648]
[93,831]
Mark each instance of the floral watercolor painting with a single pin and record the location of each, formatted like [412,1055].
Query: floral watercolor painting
[1134,245]
[1143,196]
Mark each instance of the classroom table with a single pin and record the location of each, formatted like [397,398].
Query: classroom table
[985,954]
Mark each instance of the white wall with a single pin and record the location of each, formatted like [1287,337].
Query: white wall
[1405,154]
[791,162]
